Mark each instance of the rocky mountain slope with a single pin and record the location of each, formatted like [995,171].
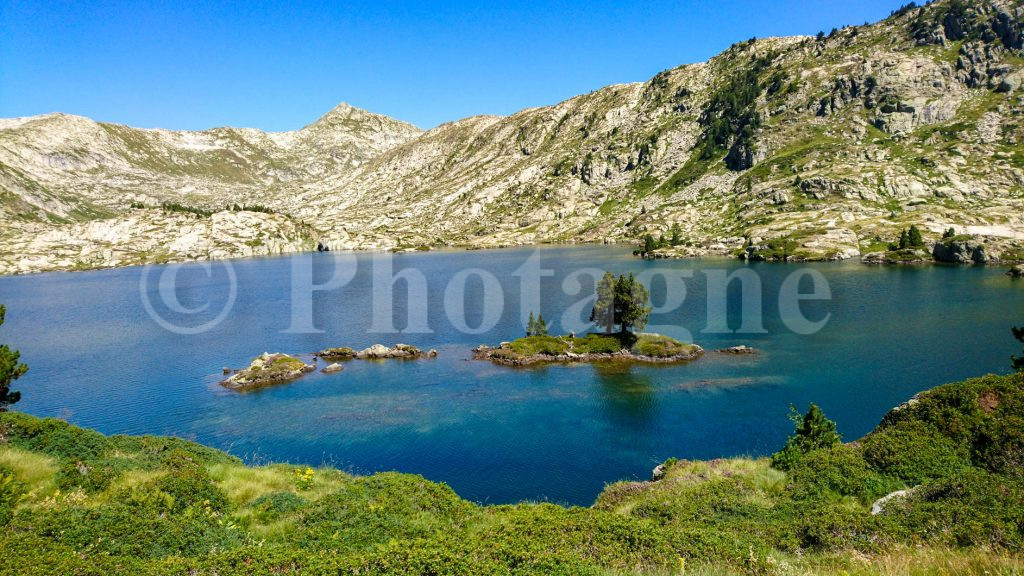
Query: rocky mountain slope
[825,145]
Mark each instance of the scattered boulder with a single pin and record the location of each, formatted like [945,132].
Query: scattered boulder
[332,368]
[266,370]
[1016,272]
[226,370]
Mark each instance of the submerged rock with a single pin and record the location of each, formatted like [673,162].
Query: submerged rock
[266,370]
[741,349]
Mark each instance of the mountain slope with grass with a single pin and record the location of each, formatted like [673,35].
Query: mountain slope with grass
[819,147]
[73,501]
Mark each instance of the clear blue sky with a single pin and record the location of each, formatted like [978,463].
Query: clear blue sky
[279,66]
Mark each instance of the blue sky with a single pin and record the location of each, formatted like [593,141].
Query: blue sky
[279,66]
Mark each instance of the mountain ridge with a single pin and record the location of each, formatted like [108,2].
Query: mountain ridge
[824,145]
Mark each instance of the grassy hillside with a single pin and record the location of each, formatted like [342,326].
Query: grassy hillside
[73,501]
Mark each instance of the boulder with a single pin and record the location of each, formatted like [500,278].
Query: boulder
[332,368]
[1016,272]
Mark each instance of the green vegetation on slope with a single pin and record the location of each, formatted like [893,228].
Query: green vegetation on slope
[73,501]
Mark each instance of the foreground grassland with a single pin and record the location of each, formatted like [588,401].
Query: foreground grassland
[73,501]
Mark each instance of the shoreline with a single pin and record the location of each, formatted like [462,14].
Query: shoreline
[1008,263]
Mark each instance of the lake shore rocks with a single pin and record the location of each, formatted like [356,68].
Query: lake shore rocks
[1016,272]
[266,370]
[375,352]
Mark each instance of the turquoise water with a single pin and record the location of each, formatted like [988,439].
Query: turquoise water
[497,434]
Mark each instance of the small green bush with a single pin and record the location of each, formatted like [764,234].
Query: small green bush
[188,482]
[658,346]
[273,506]
[597,344]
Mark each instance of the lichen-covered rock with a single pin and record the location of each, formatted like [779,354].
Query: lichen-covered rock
[266,370]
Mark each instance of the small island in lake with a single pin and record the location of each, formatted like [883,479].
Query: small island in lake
[627,347]
[268,369]
[621,302]
[375,352]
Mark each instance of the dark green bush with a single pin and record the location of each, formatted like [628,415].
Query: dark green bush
[53,437]
[375,509]
[270,507]
[129,529]
[968,508]
[840,470]
[914,452]
[188,482]
[89,475]
[813,431]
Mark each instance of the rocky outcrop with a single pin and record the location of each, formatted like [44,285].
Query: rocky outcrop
[959,251]
[267,370]
[377,351]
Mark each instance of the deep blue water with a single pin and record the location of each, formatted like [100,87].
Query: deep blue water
[496,434]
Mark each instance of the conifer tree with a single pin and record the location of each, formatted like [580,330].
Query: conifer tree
[604,306]
[914,237]
[813,431]
[10,370]
[676,234]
